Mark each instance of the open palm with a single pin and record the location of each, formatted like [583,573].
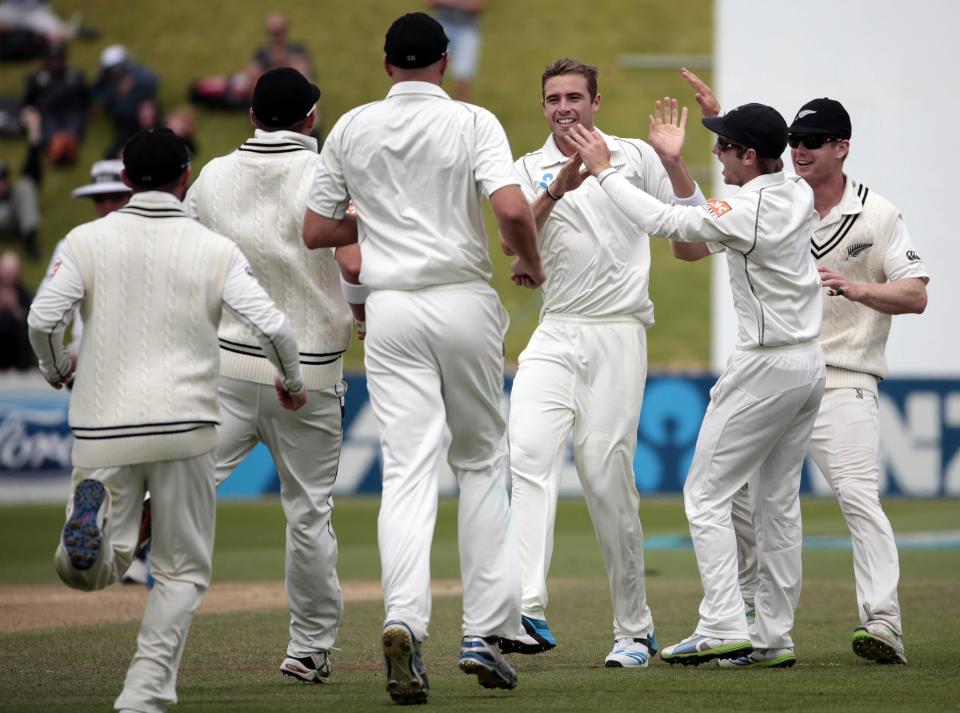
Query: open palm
[668,128]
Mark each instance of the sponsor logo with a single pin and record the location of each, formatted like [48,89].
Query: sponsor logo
[912,256]
[56,266]
[718,208]
[545,181]
[857,249]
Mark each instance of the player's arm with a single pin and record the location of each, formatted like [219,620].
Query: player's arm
[244,296]
[322,232]
[519,233]
[50,312]
[677,222]
[905,296]
[568,178]
[355,292]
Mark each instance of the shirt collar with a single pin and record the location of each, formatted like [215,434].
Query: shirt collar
[284,136]
[764,181]
[401,88]
[551,155]
[154,199]
[850,202]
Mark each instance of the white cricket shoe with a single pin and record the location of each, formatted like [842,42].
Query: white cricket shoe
[697,649]
[880,642]
[315,668]
[631,653]
[761,658]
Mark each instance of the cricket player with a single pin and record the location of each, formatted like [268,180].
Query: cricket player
[762,408]
[152,285]
[871,270]
[416,165]
[585,366]
[257,197]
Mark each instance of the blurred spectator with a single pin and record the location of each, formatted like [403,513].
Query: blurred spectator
[15,298]
[61,96]
[27,26]
[19,210]
[234,91]
[461,24]
[183,122]
[128,94]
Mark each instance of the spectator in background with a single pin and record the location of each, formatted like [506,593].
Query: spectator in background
[19,211]
[127,91]
[15,299]
[460,20]
[183,122]
[61,96]
[279,52]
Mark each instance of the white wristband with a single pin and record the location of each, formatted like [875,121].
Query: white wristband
[355,294]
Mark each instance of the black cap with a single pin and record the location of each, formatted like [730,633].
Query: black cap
[283,97]
[155,157]
[756,126]
[415,40]
[822,116]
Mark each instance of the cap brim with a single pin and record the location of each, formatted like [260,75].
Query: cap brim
[803,129]
[716,125]
[316,92]
[98,189]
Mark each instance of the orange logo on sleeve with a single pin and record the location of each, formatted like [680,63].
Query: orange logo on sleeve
[718,208]
[56,266]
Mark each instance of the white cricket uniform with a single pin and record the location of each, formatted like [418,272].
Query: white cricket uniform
[762,408]
[863,237]
[584,372]
[416,166]
[257,196]
[151,284]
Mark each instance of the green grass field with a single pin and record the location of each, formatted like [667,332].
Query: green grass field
[231,659]
[183,39]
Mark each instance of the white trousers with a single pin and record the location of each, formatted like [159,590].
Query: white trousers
[182,499]
[434,359]
[845,445]
[755,431]
[586,377]
[305,445]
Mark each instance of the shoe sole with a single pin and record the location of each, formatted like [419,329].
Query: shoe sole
[618,664]
[695,659]
[82,537]
[404,684]
[873,648]
[784,661]
[487,677]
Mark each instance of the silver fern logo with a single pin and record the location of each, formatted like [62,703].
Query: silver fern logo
[858,248]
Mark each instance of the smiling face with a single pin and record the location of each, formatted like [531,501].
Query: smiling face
[818,165]
[566,102]
[726,152]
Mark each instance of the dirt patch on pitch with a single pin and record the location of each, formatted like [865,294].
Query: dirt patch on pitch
[50,606]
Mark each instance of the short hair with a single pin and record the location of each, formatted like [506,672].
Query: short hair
[766,164]
[572,66]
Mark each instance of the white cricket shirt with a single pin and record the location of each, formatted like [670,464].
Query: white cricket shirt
[415,165]
[596,259]
[765,230]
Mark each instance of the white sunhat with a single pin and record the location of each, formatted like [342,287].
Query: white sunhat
[105,178]
[113,55]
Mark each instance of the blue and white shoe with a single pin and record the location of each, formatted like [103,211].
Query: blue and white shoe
[698,649]
[83,532]
[406,675]
[631,653]
[535,637]
[762,658]
[480,657]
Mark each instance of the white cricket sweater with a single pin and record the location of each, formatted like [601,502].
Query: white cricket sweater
[151,284]
[257,197]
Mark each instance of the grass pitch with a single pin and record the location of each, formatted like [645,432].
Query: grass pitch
[231,659]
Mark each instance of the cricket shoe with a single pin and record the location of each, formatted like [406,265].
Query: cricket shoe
[137,573]
[698,649]
[880,642]
[315,668]
[761,658]
[83,532]
[406,675]
[631,653]
[535,637]
[481,657]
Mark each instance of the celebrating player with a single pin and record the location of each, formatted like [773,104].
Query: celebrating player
[586,364]
[152,285]
[415,165]
[762,408]
[257,196]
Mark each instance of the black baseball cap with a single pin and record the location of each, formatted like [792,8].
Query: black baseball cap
[826,117]
[415,40]
[756,126]
[155,157]
[283,97]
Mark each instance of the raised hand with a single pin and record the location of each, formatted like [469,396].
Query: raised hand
[668,129]
[570,177]
[709,106]
[592,148]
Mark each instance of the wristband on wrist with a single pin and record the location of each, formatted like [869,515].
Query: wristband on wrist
[553,196]
[355,294]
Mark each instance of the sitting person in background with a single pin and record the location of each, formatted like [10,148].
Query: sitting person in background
[15,299]
[127,91]
[61,96]
[19,210]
